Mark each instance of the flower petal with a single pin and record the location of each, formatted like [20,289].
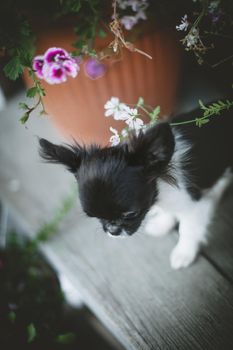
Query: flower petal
[37,65]
[71,68]
[54,73]
[95,69]
[54,54]
[109,112]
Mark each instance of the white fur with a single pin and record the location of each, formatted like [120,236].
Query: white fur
[160,223]
[123,234]
[175,204]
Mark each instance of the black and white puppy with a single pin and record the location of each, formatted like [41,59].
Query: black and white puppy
[162,177]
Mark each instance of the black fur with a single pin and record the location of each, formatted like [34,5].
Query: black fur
[118,184]
[211,152]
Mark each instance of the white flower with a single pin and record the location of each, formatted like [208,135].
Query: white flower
[213,5]
[138,7]
[124,133]
[115,138]
[134,4]
[192,38]
[111,106]
[123,112]
[133,122]
[123,4]
[141,15]
[115,108]
[184,23]
[129,22]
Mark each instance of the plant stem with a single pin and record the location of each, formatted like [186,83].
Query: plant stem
[222,61]
[144,110]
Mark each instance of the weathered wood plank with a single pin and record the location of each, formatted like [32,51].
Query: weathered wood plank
[220,247]
[129,284]
[25,181]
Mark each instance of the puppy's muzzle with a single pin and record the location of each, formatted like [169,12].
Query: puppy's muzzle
[113,230]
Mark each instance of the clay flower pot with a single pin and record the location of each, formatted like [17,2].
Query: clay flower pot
[77,106]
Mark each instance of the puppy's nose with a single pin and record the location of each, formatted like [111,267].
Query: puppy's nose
[114,230]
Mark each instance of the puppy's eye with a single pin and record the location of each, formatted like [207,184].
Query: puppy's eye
[130,214]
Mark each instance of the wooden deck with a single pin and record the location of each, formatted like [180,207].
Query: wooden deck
[127,283]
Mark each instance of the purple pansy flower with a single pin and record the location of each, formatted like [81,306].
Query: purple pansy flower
[71,67]
[55,54]
[94,68]
[37,65]
[54,73]
[55,65]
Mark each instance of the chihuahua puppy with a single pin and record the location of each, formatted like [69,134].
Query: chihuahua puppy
[164,177]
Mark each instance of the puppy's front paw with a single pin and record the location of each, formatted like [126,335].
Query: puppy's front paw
[183,255]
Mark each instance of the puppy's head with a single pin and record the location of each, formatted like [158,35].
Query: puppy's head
[117,185]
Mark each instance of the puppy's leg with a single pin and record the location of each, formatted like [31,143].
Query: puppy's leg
[194,224]
[192,234]
[159,223]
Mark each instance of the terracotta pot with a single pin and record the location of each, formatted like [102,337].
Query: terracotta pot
[77,106]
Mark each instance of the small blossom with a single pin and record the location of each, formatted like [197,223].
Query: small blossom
[118,110]
[192,38]
[115,138]
[213,6]
[135,123]
[71,68]
[138,7]
[123,4]
[128,22]
[95,69]
[184,23]
[111,106]
[55,54]
[37,65]
[55,65]
[135,5]
[141,15]
[123,113]
[54,73]
[124,133]
[214,11]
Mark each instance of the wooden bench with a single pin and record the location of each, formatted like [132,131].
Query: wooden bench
[127,283]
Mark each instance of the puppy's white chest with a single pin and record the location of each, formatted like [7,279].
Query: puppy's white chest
[172,199]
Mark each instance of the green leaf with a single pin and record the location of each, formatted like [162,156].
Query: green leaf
[200,122]
[31,332]
[24,118]
[66,338]
[23,105]
[154,114]
[202,104]
[205,121]
[32,92]
[12,316]
[140,102]
[41,91]
[13,69]
[102,33]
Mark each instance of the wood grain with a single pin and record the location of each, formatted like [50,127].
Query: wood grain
[130,286]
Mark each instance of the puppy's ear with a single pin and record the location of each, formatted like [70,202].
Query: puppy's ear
[68,156]
[153,148]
